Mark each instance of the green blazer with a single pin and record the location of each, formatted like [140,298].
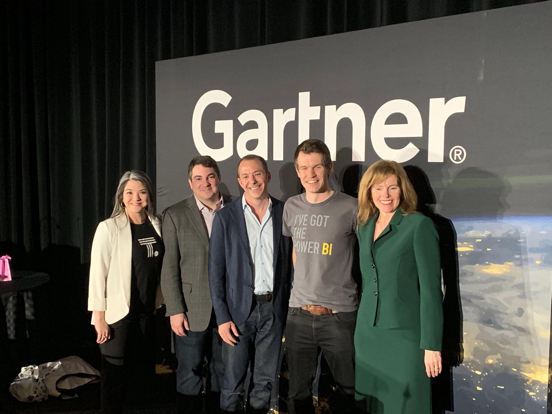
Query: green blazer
[401,277]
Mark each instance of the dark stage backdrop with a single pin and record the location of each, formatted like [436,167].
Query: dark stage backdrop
[77,90]
[465,98]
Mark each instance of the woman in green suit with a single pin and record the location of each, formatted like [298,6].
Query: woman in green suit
[400,319]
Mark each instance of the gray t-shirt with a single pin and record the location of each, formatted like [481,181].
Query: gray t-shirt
[324,238]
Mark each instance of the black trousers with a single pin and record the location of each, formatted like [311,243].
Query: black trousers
[306,336]
[128,361]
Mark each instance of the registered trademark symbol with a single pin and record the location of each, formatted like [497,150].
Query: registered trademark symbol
[457,154]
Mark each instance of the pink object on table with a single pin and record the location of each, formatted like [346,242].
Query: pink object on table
[5,272]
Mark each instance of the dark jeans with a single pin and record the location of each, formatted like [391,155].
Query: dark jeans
[307,335]
[128,357]
[259,342]
[191,351]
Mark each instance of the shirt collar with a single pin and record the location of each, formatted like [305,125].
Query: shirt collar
[218,206]
[245,205]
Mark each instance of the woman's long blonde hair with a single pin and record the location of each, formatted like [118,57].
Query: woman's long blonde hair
[376,174]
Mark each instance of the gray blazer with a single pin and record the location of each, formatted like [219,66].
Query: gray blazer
[184,277]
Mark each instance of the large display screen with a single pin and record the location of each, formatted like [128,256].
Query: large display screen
[467,99]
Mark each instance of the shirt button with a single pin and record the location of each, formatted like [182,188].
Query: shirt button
[250,286]
[375,293]
[373,266]
[375,279]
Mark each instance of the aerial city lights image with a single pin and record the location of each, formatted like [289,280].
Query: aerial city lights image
[504,275]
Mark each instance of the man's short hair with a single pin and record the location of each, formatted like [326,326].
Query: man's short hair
[250,157]
[314,146]
[204,160]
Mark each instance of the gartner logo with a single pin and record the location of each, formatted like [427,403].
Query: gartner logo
[439,112]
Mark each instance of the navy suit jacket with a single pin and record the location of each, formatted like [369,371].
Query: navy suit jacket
[231,267]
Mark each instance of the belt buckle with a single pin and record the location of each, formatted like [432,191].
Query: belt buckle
[318,310]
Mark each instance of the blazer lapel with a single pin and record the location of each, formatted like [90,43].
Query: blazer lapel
[194,215]
[396,219]
[276,230]
[239,220]
[227,199]
[369,234]
[156,225]
[124,245]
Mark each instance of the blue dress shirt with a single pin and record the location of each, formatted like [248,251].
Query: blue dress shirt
[261,246]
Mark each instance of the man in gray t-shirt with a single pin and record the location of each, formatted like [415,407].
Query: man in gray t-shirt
[323,305]
[323,239]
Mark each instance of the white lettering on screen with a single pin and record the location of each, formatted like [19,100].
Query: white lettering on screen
[439,112]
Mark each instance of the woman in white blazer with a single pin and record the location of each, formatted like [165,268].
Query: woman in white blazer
[127,254]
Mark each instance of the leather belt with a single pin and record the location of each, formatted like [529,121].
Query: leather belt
[265,297]
[317,309]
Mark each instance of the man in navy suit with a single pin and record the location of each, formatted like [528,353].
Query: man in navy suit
[249,276]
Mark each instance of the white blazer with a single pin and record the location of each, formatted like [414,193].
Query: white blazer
[111,268]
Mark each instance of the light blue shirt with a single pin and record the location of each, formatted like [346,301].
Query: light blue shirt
[261,246]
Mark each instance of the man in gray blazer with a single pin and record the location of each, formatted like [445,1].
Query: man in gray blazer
[185,285]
